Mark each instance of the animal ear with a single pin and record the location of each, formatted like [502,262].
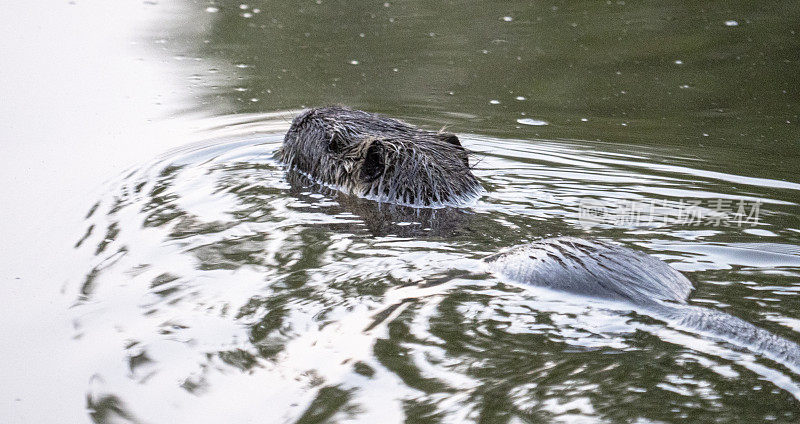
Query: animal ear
[449,138]
[374,163]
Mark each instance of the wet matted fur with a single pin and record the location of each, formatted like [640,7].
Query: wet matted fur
[380,158]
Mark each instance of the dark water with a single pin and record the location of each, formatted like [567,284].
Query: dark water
[223,289]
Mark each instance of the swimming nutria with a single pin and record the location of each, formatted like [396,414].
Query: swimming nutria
[380,158]
[388,160]
[603,270]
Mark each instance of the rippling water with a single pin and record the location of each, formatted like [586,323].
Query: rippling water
[208,285]
[222,288]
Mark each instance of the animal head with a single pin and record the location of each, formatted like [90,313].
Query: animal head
[380,158]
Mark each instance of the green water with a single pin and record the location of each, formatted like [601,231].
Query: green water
[209,286]
[669,74]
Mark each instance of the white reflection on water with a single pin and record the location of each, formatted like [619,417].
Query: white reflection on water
[79,104]
[171,340]
[217,279]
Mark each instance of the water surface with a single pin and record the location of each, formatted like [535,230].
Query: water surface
[217,278]
[207,284]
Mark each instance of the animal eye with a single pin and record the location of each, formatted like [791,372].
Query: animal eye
[336,143]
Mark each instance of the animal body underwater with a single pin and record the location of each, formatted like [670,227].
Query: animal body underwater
[390,161]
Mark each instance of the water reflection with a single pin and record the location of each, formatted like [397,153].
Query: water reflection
[224,288]
[661,74]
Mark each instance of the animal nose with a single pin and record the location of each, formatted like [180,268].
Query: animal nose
[301,119]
